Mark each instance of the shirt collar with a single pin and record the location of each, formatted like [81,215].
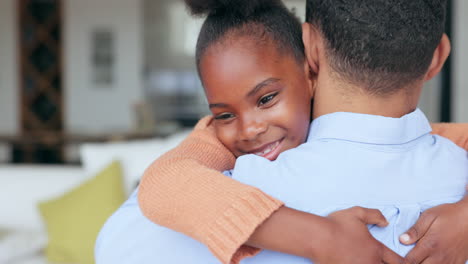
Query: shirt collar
[370,129]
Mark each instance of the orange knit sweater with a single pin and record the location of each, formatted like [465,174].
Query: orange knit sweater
[185,191]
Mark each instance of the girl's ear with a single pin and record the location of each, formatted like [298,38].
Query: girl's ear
[310,38]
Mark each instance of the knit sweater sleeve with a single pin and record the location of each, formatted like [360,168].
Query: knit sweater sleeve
[185,190]
[456,132]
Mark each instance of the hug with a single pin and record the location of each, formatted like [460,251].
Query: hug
[315,151]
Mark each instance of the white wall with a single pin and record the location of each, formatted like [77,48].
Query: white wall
[102,109]
[9,116]
[460,61]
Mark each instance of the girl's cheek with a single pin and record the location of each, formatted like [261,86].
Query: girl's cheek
[226,136]
[282,111]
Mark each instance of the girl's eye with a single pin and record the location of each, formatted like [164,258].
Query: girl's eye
[224,116]
[266,99]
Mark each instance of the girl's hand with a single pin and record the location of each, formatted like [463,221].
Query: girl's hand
[340,238]
[351,241]
[442,235]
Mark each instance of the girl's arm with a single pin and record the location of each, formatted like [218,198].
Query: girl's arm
[185,191]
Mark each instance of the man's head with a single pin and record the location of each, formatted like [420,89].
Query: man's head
[379,45]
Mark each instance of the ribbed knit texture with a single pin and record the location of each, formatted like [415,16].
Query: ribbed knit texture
[185,191]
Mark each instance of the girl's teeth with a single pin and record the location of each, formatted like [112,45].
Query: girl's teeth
[270,148]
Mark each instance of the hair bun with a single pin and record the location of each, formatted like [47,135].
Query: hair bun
[239,7]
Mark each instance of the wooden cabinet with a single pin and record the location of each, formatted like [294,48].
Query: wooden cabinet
[40,80]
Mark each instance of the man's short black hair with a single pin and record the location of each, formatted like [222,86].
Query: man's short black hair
[381,45]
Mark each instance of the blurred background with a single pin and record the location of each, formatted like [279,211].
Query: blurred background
[80,71]
[92,91]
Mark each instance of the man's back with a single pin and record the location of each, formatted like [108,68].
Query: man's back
[390,164]
[349,159]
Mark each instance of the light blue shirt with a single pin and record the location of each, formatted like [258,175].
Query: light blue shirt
[391,164]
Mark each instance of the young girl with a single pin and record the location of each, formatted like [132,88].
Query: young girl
[184,189]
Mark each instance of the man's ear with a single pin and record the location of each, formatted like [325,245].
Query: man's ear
[311,77]
[441,54]
[310,38]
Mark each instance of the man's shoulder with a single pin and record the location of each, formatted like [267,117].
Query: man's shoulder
[443,142]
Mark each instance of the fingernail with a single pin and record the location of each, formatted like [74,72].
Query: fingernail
[405,238]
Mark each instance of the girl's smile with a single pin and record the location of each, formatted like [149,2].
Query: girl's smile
[269,151]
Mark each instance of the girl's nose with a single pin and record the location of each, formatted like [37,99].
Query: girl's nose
[251,129]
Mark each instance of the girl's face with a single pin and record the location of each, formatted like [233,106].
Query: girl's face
[260,99]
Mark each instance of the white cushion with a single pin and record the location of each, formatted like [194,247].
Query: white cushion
[22,187]
[35,259]
[135,156]
[21,245]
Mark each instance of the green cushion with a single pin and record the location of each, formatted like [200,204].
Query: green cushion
[73,220]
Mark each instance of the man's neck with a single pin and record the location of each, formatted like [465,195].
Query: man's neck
[336,98]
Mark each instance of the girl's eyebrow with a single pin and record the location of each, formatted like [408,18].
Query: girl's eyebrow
[220,105]
[259,86]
